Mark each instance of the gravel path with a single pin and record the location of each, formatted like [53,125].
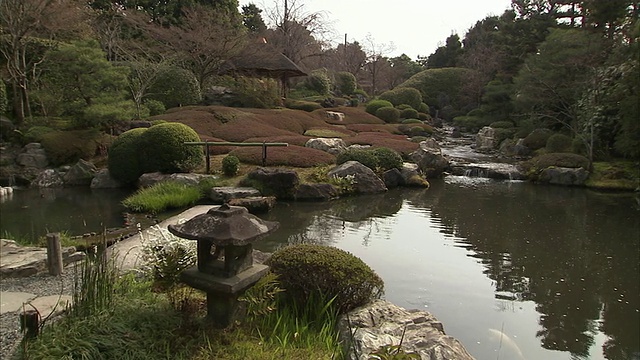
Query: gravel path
[39,285]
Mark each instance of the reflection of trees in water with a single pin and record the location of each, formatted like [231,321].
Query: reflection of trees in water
[554,246]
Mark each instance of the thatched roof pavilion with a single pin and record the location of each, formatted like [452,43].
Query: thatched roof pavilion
[262,60]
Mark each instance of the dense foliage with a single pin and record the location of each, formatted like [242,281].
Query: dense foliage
[162,148]
[123,161]
[308,270]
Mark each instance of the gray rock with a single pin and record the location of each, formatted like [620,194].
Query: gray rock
[48,178]
[103,180]
[366,181]
[564,176]
[429,159]
[33,155]
[333,146]
[80,174]
[335,115]
[316,192]
[222,194]
[255,204]
[21,261]
[150,179]
[392,178]
[486,139]
[511,147]
[411,176]
[381,323]
[278,182]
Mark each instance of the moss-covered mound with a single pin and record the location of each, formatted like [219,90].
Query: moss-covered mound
[292,155]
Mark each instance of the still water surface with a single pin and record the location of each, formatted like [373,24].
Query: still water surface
[513,270]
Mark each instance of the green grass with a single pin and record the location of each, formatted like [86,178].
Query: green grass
[163,196]
[139,323]
[615,175]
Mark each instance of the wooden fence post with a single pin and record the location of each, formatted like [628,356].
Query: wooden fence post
[54,254]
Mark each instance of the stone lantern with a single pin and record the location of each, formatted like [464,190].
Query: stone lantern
[227,272]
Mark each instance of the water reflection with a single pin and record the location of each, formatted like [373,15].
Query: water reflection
[572,253]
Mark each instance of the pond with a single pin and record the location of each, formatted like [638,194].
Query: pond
[513,270]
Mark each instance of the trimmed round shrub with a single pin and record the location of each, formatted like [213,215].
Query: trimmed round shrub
[559,143]
[409,113]
[155,107]
[501,125]
[123,161]
[404,95]
[306,271]
[567,160]
[307,106]
[346,82]
[230,165]
[365,157]
[388,114]
[424,116]
[163,149]
[176,87]
[374,105]
[387,158]
[537,139]
[423,108]
[318,81]
[403,107]
[411,121]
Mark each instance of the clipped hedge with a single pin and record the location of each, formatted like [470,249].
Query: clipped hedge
[123,161]
[305,271]
[409,113]
[374,105]
[162,149]
[537,139]
[567,160]
[67,147]
[387,158]
[388,114]
[307,106]
[557,143]
[404,95]
[365,157]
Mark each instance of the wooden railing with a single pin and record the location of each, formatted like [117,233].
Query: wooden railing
[206,145]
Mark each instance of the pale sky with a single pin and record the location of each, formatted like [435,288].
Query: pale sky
[413,27]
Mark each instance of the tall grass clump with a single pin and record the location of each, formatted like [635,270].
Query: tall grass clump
[94,283]
[162,196]
[312,325]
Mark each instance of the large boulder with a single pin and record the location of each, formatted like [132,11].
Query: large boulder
[333,146]
[316,192]
[82,173]
[33,155]
[48,178]
[366,181]
[382,323]
[103,180]
[411,176]
[222,194]
[255,204]
[511,147]
[392,178]
[486,139]
[280,183]
[190,179]
[429,159]
[564,176]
